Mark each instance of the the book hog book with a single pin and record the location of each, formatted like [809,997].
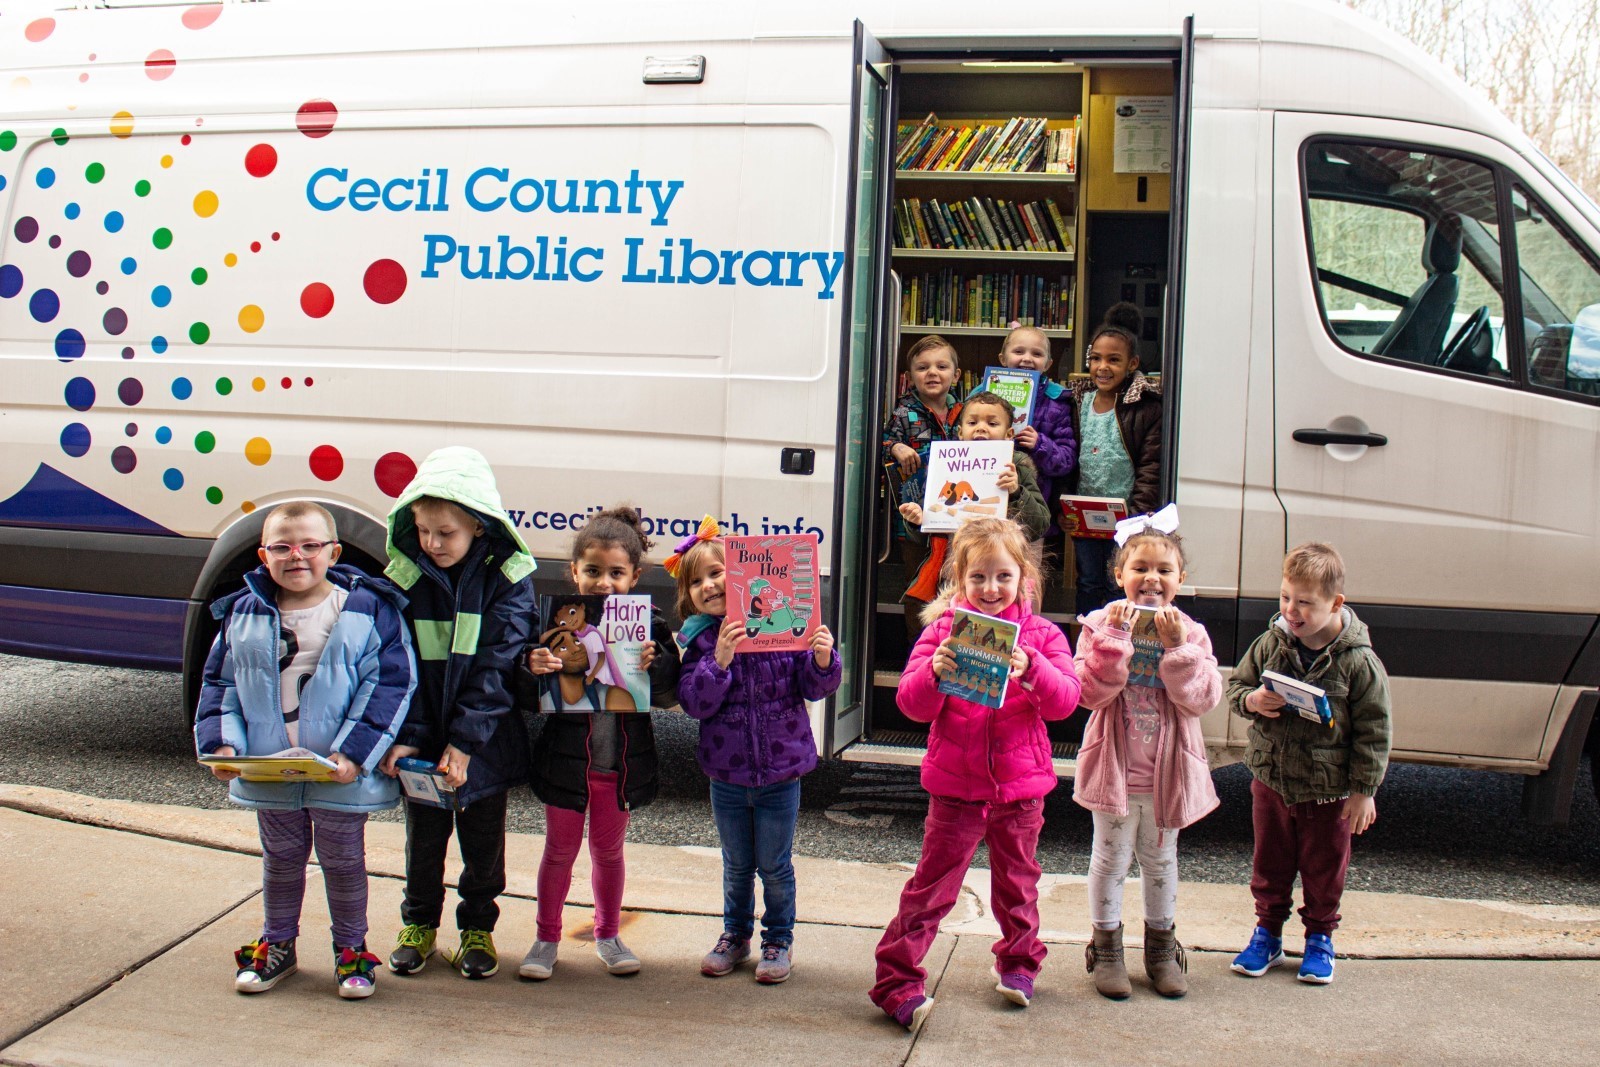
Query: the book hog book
[599,641]
[772,585]
[983,647]
[963,483]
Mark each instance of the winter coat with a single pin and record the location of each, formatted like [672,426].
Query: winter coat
[561,751]
[1026,508]
[469,626]
[912,424]
[1055,454]
[1302,760]
[1138,411]
[1184,792]
[353,704]
[999,754]
[754,727]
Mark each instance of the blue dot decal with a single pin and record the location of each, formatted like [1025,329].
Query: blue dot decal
[2,183]
[129,265]
[163,435]
[45,178]
[75,439]
[161,296]
[72,211]
[80,394]
[10,280]
[182,388]
[158,344]
[114,225]
[172,478]
[69,345]
[44,305]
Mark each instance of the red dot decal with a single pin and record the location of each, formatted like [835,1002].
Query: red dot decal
[276,235]
[255,246]
[287,382]
[393,472]
[39,29]
[198,18]
[261,160]
[385,281]
[326,462]
[316,300]
[316,118]
[185,139]
[309,382]
[160,64]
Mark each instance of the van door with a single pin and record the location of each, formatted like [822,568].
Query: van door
[1411,432]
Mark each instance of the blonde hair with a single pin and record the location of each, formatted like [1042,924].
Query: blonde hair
[689,572]
[1048,353]
[299,509]
[976,539]
[1317,564]
[437,504]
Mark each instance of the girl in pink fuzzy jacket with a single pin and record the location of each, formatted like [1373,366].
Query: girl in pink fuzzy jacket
[987,770]
[1148,674]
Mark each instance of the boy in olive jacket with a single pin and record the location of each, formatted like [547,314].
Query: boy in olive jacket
[1314,784]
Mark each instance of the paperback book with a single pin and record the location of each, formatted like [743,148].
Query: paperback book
[964,483]
[772,583]
[1144,668]
[1017,387]
[423,782]
[983,645]
[1092,516]
[600,641]
[290,765]
[1308,700]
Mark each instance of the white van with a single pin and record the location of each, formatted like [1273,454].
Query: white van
[655,253]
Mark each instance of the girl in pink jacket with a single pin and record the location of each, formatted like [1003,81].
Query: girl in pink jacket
[1148,674]
[987,768]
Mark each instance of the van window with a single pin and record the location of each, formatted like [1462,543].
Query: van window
[1560,302]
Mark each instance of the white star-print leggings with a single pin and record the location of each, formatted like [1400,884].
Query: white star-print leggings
[1117,839]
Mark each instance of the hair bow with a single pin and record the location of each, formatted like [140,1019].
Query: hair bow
[709,530]
[1165,520]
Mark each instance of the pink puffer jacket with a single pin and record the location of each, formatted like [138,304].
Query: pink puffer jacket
[996,754]
[1184,793]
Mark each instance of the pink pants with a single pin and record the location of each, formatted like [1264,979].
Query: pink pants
[950,837]
[608,826]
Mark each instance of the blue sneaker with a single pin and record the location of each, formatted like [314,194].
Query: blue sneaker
[1317,966]
[1262,954]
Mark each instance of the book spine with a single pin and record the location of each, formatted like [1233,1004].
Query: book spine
[1060,224]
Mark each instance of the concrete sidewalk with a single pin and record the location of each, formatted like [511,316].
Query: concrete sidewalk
[120,920]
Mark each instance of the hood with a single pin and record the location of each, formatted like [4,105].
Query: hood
[463,477]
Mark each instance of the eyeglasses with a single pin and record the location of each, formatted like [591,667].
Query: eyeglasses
[307,549]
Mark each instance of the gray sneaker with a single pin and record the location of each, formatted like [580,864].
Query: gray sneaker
[727,954]
[773,966]
[540,962]
[616,956]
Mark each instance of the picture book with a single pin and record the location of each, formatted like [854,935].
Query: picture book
[1145,666]
[983,647]
[600,641]
[1310,701]
[423,783]
[772,583]
[290,765]
[963,483]
[1017,387]
[1091,516]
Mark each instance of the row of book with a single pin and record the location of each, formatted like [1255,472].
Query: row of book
[952,297]
[1018,145]
[982,224]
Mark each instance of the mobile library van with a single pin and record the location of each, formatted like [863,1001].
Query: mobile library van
[671,254]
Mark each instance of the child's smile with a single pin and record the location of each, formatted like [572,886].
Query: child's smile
[707,593]
[1151,574]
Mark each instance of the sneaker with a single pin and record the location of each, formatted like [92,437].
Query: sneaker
[727,954]
[913,1013]
[475,956]
[1317,966]
[616,956]
[774,965]
[1015,986]
[357,971]
[1263,953]
[412,949]
[263,964]
[540,962]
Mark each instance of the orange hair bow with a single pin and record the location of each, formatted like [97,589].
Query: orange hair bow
[708,531]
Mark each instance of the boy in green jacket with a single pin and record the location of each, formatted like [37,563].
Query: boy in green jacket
[1314,784]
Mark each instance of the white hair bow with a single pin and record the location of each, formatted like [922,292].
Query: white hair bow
[1165,520]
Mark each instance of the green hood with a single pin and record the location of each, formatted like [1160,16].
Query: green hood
[461,476]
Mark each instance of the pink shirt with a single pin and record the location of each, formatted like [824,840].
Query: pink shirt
[1141,719]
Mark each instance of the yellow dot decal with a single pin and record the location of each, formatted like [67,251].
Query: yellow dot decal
[250,318]
[230,260]
[257,450]
[258,384]
[247,507]
[21,83]
[122,124]
[205,203]
[166,161]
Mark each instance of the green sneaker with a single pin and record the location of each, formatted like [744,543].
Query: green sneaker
[412,949]
[475,956]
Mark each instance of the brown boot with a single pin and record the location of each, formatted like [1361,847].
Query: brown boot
[1104,957]
[1165,962]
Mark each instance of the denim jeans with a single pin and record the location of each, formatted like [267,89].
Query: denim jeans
[1096,587]
[756,825]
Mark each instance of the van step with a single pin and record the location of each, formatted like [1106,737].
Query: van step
[906,748]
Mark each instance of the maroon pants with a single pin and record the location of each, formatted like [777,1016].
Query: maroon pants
[1310,839]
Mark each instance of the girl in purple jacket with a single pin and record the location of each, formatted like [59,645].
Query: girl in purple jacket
[755,743]
[1049,438]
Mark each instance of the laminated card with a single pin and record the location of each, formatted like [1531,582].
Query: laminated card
[600,641]
[983,647]
[772,584]
[1017,387]
[963,483]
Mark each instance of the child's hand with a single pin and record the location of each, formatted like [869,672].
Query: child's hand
[647,656]
[944,659]
[453,765]
[1008,478]
[542,661]
[393,756]
[1362,811]
[1120,614]
[912,513]
[731,634]
[907,457]
[224,774]
[1170,627]
[822,647]
[1026,438]
[1264,701]
[1019,662]
[348,769]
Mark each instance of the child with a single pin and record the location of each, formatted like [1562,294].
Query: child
[1049,438]
[600,762]
[466,570]
[987,771]
[315,656]
[985,416]
[755,743]
[1313,786]
[1142,769]
[1119,448]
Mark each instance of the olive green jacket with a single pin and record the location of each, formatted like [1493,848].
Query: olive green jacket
[1302,760]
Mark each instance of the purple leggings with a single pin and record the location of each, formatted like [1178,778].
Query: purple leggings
[287,838]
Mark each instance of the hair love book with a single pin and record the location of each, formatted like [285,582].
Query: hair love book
[600,641]
[983,645]
[964,483]
[772,584]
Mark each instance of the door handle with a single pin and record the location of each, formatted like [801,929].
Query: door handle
[1335,437]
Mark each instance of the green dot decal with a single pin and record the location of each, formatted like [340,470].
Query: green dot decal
[204,441]
[199,333]
[94,172]
[214,495]
[141,188]
[224,386]
[58,135]
[198,276]
[8,140]
[162,238]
